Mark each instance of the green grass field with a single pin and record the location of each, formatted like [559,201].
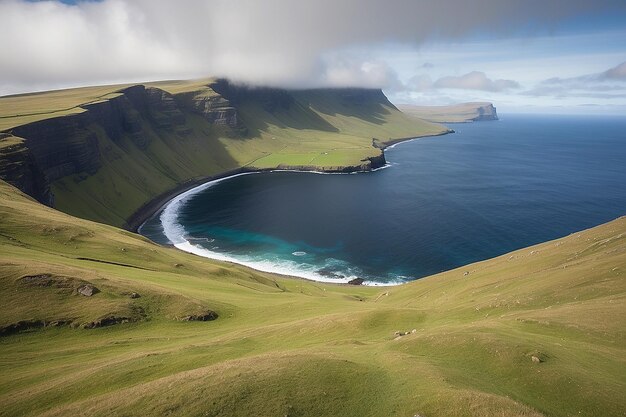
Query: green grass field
[289,347]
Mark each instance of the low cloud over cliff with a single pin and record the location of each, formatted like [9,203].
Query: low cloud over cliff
[276,42]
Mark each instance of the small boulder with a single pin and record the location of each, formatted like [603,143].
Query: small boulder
[208,316]
[87,290]
[134,295]
[356,281]
[535,359]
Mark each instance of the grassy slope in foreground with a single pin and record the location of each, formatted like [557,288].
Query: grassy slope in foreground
[290,347]
[457,113]
[149,144]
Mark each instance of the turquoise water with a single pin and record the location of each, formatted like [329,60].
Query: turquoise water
[443,202]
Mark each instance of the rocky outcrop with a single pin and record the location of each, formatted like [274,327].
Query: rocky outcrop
[205,316]
[24,325]
[486,111]
[215,109]
[106,321]
[87,290]
[377,161]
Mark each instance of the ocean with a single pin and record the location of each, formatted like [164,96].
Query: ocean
[441,203]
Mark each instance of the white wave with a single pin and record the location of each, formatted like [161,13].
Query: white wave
[176,234]
[173,230]
[282,267]
[298,253]
[404,141]
[277,266]
[387,165]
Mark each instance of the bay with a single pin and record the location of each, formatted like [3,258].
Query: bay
[443,202]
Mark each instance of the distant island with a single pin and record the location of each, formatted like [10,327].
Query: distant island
[456,113]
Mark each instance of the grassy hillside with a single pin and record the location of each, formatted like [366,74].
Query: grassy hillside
[539,331]
[106,151]
[457,113]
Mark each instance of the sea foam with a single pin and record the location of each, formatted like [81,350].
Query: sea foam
[177,235]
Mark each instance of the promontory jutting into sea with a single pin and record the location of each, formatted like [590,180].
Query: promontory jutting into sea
[442,203]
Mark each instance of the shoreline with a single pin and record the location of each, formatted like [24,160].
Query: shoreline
[155,205]
[393,142]
[161,203]
[176,235]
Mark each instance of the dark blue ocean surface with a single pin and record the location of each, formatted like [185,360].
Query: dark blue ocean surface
[490,188]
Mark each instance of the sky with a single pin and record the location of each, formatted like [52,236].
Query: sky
[561,56]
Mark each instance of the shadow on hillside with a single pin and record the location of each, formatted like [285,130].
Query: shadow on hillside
[262,108]
[365,104]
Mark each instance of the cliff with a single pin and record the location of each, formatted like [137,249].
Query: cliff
[458,113]
[486,112]
[107,157]
[18,165]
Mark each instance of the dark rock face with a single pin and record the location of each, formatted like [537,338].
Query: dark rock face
[24,325]
[21,326]
[356,281]
[18,167]
[486,112]
[378,161]
[214,109]
[55,148]
[106,321]
[162,109]
[61,146]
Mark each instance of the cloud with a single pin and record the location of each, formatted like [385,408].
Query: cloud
[609,84]
[346,70]
[616,73]
[420,82]
[273,42]
[475,80]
